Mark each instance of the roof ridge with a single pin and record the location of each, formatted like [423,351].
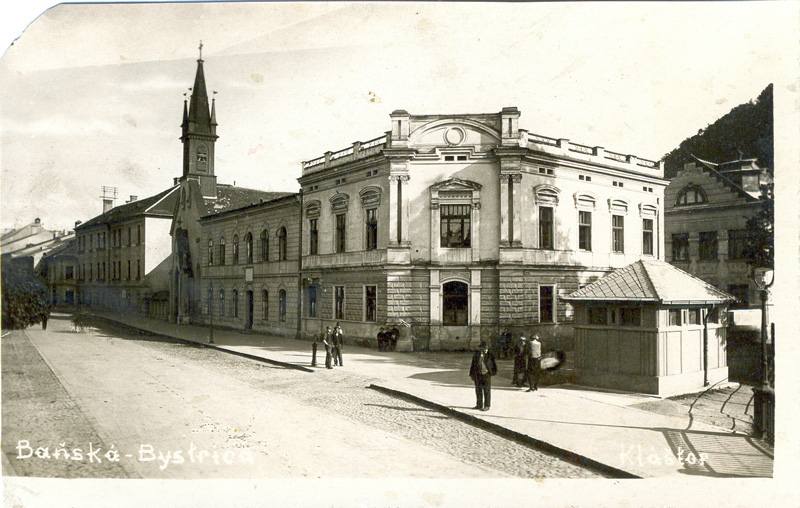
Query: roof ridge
[724,179]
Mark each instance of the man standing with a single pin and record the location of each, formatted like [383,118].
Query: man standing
[481,371]
[326,341]
[533,355]
[338,344]
[518,379]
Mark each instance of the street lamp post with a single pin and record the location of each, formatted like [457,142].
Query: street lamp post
[764,395]
[211,315]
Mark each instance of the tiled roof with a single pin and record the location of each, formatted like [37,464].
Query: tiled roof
[232,198]
[712,168]
[162,203]
[650,280]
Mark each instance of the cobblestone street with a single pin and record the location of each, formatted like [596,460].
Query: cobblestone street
[136,391]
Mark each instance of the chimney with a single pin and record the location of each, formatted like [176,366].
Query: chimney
[108,204]
[175,180]
[133,198]
[78,223]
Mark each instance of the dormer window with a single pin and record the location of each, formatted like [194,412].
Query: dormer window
[691,195]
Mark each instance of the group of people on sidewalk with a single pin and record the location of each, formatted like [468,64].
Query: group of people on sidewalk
[527,358]
[333,340]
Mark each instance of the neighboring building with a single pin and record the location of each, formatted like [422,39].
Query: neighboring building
[250,266]
[59,267]
[122,254]
[199,196]
[706,208]
[32,240]
[453,226]
[650,328]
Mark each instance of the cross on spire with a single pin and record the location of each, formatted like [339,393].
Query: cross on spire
[200,47]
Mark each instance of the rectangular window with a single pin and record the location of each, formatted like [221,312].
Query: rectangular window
[454,223]
[313,246]
[618,232]
[680,247]
[737,240]
[546,304]
[674,317]
[339,303]
[139,270]
[370,303]
[585,230]
[340,233]
[694,317]
[545,227]
[129,270]
[372,229]
[708,245]
[312,301]
[630,316]
[647,236]
[138,235]
[68,272]
[598,316]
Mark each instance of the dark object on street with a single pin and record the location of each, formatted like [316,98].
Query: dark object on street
[45,315]
[481,370]
[314,353]
[394,333]
[80,320]
[338,345]
[326,341]
[381,339]
[552,360]
[518,378]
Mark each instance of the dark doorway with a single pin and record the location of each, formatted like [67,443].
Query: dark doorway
[249,322]
[455,304]
[69,297]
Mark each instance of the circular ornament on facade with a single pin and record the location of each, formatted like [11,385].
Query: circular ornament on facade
[454,135]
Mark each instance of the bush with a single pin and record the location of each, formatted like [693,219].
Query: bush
[24,296]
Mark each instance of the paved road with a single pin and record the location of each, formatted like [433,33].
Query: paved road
[175,411]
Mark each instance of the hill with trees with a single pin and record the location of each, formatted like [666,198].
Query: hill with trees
[746,129]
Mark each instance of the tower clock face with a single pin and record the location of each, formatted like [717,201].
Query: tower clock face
[202,158]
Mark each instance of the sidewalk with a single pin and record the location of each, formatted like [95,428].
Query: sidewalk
[602,426]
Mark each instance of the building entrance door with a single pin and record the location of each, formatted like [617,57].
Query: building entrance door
[249,322]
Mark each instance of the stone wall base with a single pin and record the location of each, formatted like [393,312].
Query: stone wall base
[663,386]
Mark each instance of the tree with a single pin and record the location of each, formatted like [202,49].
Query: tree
[759,248]
[24,295]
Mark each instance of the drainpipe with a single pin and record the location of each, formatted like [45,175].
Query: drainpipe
[300,269]
[705,344]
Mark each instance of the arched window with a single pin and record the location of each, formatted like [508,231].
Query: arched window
[282,305]
[265,303]
[222,250]
[455,304]
[221,303]
[248,247]
[235,303]
[282,244]
[235,249]
[210,252]
[691,195]
[264,245]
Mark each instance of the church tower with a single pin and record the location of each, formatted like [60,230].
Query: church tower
[198,134]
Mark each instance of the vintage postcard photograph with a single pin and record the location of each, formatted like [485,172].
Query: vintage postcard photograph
[541,236]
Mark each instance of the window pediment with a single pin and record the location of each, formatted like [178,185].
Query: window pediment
[585,200]
[340,202]
[313,209]
[618,206]
[545,194]
[456,185]
[647,209]
[455,190]
[370,196]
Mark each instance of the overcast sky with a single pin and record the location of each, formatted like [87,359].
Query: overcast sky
[92,94]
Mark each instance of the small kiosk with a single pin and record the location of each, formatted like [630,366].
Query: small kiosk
[650,328]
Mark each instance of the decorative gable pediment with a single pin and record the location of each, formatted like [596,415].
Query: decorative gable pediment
[313,209]
[454,132]
[370,196]
[339,202]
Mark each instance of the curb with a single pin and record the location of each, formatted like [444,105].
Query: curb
[566,455]
[179,340]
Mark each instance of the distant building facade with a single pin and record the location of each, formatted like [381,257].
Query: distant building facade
[60,270]
[32,240]
[455,226]
[706,208]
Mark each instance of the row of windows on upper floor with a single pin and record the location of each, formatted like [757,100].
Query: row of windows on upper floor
[97,241]
[708,248]
[87,271]
[220,249]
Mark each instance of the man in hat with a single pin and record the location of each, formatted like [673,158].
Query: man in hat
[533,355]
[326,341]
[338,345]
[518,379]
[481,371]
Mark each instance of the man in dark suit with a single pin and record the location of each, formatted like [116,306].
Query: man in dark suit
[326,341]
[481,371]
[338,345]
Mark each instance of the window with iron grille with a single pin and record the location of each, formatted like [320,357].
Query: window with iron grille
[455,225]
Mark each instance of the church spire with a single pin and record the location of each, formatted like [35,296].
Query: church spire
[199,116]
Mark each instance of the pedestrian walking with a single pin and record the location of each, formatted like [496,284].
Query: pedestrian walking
[518,378]
[481,370]
[45,316]
[338,345]
[381,340]
[326,341]
[533,355]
